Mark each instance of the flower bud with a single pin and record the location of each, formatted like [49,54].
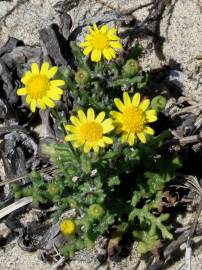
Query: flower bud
[82,77]
[96,211]
[158,103]
[130,68]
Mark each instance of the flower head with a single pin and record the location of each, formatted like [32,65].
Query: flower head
[133,118]
[96,211]
[100,42]
[39,89]
[68,227]
[89,131]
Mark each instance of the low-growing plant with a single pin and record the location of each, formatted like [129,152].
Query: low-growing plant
[110,167]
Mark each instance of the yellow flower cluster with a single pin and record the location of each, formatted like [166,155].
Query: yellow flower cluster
[87,130]
[130,121]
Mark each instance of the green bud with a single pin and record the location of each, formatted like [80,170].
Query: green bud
[158,103]
[96,211]
[130,68]
[82,77]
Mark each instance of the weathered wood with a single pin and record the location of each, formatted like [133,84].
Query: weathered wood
[14,206]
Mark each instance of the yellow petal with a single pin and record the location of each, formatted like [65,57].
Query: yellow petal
[41,104]
[107,54]
[70,137]
[141,137]
[21,91]
[52,71]
[104,29]
[111,32]
[112,52]
[90,114]
[82,116]
[113,37]
[56,90]
[44,68]
[35,69]
[28,99]
[95,28]
[131,138]
[96,148]
[115,44]
[119,104]
[124,137]
[84,44]
[151,116]
[116,115]
[126,99]
[33,105]
[87,50]
[96,55]
[88,37]
[101,143]
[87,147]
[151,119]
[48,102]
[150,113]
[100,117]
[107,125]
[107,140]
[57,83]
[75,121]
[78,143]
[144,104]
[136,99]
[71,128]
[26,77]
[149,130]
[91,30]
[53,95]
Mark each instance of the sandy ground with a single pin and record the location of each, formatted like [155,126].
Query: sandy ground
[183,42]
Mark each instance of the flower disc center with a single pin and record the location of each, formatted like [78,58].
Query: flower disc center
[91,131]
[37,86]
[99,41]
[133,119]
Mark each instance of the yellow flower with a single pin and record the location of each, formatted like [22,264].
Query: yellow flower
[133,118]
[100,42]
[39,89]
[89,131]
[68,227]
